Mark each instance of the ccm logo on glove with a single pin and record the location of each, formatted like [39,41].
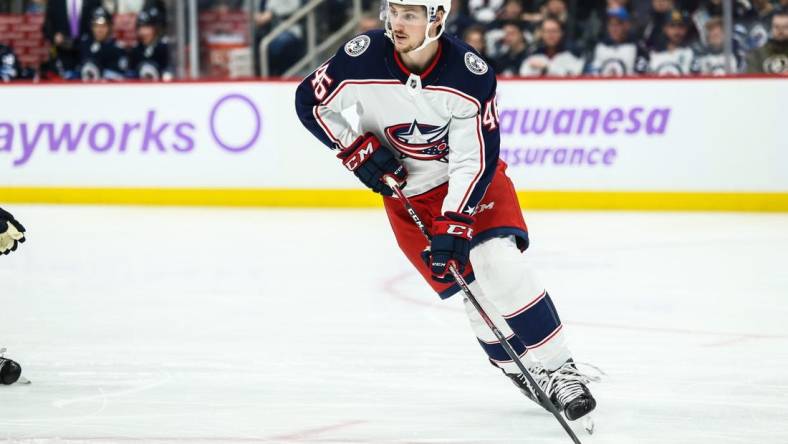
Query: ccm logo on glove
[370,161]
[460,230]
[359,155]
[450,245]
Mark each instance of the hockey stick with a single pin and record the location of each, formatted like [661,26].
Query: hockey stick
[540,394]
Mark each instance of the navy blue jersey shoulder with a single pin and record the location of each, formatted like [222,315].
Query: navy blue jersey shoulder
[465,70]
[361,57]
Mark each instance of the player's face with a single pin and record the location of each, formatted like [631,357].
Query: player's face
[100,31]
[408,24]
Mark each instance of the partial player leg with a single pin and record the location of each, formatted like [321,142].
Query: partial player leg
[495,352]
[509,284]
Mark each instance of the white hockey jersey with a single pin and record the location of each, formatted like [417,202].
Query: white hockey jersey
[676,62]
[442,124]
[614,60]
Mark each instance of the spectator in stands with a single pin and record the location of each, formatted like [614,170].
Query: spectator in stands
[150,59]
[10,69]
[764,10]
[220,5]
[484,11]
[287,47]
[749,34]
[711,57]
[369,21]
[550,8]
[551,57]
[474,37]
[772,58]
[513,52]
[618,54]
[659,15]
[459,20]
[510,12]
[590,20]
[137,6]
[673,57]
[102,57]
[35,7]
[557,9]
[65,23]
[757,22]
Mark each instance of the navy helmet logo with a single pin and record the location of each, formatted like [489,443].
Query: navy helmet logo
[419,141]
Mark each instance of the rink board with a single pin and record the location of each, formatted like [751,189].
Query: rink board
[690,144]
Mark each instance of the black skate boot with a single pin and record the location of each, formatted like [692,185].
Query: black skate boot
[567,388]
[10,371]
[540,377]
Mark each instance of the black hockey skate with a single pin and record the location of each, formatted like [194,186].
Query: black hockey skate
[567,389]
[540,377]
[10,371]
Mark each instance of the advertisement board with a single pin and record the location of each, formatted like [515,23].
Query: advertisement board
[718,136]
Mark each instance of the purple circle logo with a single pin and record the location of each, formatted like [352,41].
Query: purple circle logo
[258,120]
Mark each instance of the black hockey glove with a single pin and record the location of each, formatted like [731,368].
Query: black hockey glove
[451,244]
[12,233]
[370,162]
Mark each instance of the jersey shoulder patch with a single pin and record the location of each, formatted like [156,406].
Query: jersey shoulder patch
[475,64]
[358,45]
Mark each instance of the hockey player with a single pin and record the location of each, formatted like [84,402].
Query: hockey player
[102,57]
[150,59]
[426,109]
[12,233]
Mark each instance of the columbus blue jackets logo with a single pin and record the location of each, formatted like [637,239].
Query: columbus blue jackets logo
[357,46]
[419,141]
[475,63]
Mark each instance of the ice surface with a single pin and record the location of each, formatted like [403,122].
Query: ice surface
[245,325]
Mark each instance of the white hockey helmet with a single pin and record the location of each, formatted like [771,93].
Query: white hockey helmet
[432,7]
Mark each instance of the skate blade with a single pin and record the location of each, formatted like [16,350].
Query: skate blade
[588,424]
[22,380]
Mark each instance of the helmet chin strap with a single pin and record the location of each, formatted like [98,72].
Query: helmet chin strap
[427,38]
